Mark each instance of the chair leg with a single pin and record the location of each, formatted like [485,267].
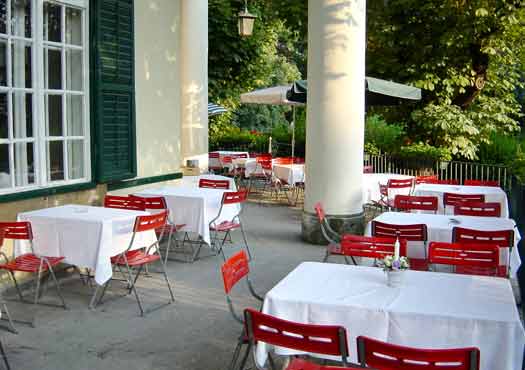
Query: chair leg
[236,354]
[167,280]
[326,255]
[4,357]
[57,285]
[245,356]
[168,247]
[134,289]
[17,286]
[245,241]
[9,319]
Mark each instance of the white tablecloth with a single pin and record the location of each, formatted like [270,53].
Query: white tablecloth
[214,162]
[430,310]
[196,207]
[439,228]
[291,173]
[492,194]
[86,236]
[371,183]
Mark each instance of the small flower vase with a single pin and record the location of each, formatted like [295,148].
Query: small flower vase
[394,278]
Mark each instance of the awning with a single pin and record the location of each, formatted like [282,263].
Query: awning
[378,92]
[270,96]
[215,109]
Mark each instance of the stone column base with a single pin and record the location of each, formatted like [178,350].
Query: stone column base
[342,224]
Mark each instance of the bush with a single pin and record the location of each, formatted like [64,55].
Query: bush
[501,149]
[384,136]
[425,152]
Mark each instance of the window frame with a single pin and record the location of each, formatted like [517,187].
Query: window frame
[40,92]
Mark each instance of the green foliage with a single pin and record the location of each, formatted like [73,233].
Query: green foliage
[385,137]
[501,149]
[467,55]
[424,151]
[231,136]
[372,149]
[517,168]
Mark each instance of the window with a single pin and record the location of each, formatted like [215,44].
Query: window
[44,123]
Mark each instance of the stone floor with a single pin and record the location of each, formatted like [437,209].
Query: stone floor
[195,332]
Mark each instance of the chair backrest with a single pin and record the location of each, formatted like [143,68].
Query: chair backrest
[284,160]
[385,356]
[240,155]
[123,202]
[414,232]
[478,209]
[503,238]
[233,197]
[443,182]
[319,339]
[426,179]
[493,183]
[370,246]
[264,162]
[214,184]
[451,199]
[400,183]
[479,259]
[368,169]
[234,269]
[151,222]
[419,203]
[156,203]
[214,155]
[20,230]
[227,159]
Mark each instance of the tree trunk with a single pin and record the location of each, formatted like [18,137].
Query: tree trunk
[480,64]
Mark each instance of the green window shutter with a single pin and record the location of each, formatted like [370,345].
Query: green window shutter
[113,89]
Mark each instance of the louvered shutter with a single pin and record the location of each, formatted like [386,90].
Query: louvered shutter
[113,90]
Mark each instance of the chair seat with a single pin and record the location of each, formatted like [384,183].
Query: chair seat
[135,258]
[225,226]
[30,263]
[418,264]
[301,364]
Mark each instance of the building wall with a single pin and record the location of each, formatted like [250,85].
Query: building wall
[157,86]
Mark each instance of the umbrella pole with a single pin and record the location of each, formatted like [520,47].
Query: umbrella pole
[293,133]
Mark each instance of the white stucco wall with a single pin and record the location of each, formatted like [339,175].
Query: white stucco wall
[157,86]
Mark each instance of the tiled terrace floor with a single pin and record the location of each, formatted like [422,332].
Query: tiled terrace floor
[196,332]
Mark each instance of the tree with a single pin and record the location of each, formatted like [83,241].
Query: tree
[466,55]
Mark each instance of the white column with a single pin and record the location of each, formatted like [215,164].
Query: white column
[335,108]
[194,81]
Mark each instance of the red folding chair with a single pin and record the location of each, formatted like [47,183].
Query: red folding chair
[415,233]
[28,263]
[467,258]
[371,247]
[426,179]
[124,202]
[368,169]
[300,364]
[214,184]
[139,258]
[262,174]
[235,269]
[479,209]
[451,199]
[444,182]
[214,157]
[158,204]
[332,237]
[502,238]
[229,199]
[416,203]
[491,183]
[386,356]
[395,185]
[318,339]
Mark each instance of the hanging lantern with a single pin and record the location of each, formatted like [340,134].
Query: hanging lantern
[246,21]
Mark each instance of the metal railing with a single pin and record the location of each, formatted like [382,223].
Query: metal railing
[448,170]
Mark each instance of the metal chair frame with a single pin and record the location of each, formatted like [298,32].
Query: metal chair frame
[471,258]
[479,209]
[228,198]
[235,269]
[22,230]
[4,356]
[332,237]
[383,355]
[142,224]
[318,339]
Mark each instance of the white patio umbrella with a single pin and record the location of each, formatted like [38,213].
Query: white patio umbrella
[273,96]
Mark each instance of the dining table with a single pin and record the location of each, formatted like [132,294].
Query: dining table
[491,193]
[289,173]
[440,228]
[218,162]
[430,310]
[195,207]
[86,236]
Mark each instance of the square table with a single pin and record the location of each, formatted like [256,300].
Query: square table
[290,173]
[85,236]
[193,206]
[439,228]
[429,310]
[492,194]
